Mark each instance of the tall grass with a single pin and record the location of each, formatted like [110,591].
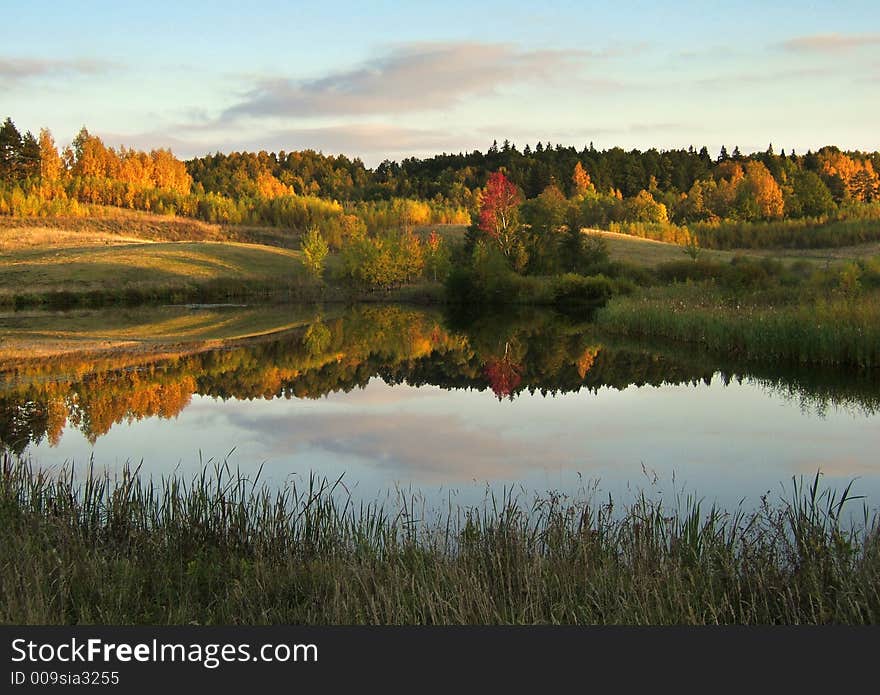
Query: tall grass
[842,330]
[219,548]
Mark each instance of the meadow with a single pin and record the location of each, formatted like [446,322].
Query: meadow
[149,271]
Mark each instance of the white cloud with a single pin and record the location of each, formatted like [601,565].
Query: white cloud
[408,78]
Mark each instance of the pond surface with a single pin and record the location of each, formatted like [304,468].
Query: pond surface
[402,398]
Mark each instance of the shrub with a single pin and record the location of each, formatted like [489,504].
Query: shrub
[578,289]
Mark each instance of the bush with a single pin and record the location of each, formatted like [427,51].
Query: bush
[577,289]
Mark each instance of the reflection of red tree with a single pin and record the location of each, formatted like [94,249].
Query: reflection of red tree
[503,375]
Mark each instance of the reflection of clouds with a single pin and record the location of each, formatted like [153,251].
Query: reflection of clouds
[204,407]
[389,395]
[837,467]
[434,447]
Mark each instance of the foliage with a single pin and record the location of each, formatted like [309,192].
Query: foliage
[438,257]
[382,262]
[611,189]
[499,213]
[315,251]
[572,289]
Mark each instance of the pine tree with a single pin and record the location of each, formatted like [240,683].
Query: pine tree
[29,157]
[10,150]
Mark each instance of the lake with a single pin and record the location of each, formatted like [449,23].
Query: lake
[401,398]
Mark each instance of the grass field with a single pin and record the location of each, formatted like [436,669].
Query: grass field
[106,225]
[646,252]
[153,269]
[118,256]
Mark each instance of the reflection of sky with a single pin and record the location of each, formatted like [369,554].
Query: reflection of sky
[724,443]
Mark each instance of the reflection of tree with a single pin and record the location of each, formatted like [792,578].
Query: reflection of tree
[541,352]
[503,374]
[586,360]
[317,337]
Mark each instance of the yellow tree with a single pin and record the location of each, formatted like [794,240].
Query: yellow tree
[50,162]
[760,189]
[581,180]
[93,159]
[270,187]
[169,172]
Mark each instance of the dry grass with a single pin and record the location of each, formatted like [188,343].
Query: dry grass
[40,236]
[449,232]
[109,226]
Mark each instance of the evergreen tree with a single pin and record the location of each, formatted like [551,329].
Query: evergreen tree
[10,150]
[29,158]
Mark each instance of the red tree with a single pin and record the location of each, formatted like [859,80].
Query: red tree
[499,211]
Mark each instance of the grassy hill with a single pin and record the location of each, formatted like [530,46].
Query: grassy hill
[122,255]
[160,270]
[646,252]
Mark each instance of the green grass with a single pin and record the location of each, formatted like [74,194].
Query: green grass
[162,270]
[853,228]
[649,253]
[220,549]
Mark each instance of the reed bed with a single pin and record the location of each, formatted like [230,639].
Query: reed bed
[840,331]
[219,548]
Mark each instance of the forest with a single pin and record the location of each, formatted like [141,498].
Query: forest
[301,187]
[525,211]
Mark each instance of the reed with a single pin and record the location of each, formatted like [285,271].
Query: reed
[222,548]
[840,330]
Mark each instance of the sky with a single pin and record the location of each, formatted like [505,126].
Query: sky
[396,79]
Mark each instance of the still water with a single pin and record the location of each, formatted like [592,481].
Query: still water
[397,398]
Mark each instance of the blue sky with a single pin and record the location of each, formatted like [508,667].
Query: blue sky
[388,79]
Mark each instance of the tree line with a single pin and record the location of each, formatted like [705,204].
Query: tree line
[649,193]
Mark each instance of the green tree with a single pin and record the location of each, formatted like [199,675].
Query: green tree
[29,157]
[545,216]
[315,250]
[10,150]
[437,257]
[812,195]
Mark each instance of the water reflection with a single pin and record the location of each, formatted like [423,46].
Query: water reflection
[402,394]
[532,351]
